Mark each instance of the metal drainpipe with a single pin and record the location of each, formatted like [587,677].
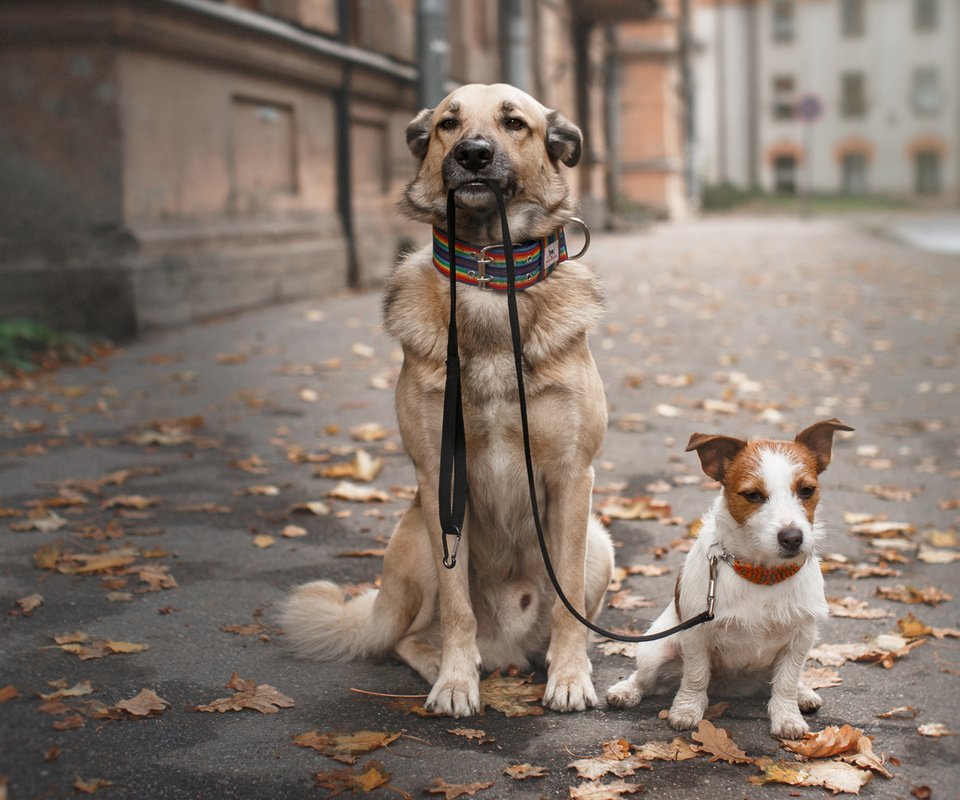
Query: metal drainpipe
[433,51]
[342,106]
[690,153]
[515,35]
[611,112]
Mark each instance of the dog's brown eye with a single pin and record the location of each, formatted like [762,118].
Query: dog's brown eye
[806,492]
[514,123]
[448,124]
[753,497]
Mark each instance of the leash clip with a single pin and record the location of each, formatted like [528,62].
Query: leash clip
[484,280]
[712,586]
[450,555]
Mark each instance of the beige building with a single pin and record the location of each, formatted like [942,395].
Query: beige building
[163,161]
[885,75]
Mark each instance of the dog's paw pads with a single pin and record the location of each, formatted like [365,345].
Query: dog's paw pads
[454,698]
[624,694]
[572,693]
[790,728]
[809,701]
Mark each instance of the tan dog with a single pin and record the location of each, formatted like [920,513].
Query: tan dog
[496,607]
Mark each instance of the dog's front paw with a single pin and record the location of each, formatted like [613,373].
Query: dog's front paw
[808,700]
[455,697]
[624,694]
[686,713]
[569,691]
[789,727]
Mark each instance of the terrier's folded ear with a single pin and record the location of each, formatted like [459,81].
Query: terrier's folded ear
[818,439]
[716,452]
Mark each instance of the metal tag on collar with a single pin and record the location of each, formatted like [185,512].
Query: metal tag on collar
[712,586]
[484,280]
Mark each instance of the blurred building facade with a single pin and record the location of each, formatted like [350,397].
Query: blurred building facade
[163,161]
[884,74]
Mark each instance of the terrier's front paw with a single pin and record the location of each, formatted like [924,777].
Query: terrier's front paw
[624,694]
[455,697]
[808,700]
[793,727]
[569,691]
[687,710]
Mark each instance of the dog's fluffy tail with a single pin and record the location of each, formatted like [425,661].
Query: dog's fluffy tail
[318,622]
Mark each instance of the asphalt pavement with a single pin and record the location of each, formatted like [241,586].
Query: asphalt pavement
[169,495]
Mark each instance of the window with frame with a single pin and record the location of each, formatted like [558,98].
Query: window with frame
[927,172]
[854,173]
[925,15]
[852,17]
[784,89]
[783,20]
[853,97]
[785,174]
[925,95]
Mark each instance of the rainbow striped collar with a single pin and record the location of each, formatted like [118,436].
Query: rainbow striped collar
[486,267]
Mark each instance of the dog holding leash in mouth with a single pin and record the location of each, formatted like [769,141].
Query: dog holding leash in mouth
[496,607]
[757,545]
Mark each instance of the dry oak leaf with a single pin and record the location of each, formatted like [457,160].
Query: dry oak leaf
[101,648]
[648,570]
[345,490]
[633,508]
[678,749]
[293,532]
[316,507]
[345,747]
[717,743]
[593,769]
[143,704]
[831,741]
[900,712]
[8,692]
[882,529]
[473,734]
[30,602]
[90,785]
[910,627]
[249,694]
[80,689]
[511,695]
[521,772]
[40,519]
[604,791]
[203,508]
[363,468]
[854,609]
[935,729]
[932,555]
[48,555]
[137,501]
[901,593]
[451,791]
[836,776]
[369,432]
[820,678]
[865,758]
[363,779]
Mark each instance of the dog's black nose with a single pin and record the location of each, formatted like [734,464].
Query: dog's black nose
[473,154]
[790,538]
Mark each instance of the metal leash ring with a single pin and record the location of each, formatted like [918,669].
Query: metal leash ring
[586,238]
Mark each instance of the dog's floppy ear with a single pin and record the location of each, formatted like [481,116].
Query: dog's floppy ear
[564,140]
[716,452]
[818,439]
[418,133]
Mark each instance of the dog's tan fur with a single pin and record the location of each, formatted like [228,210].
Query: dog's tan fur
[496,608]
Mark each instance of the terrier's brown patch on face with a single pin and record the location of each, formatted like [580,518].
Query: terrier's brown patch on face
[805,478]
[741,478]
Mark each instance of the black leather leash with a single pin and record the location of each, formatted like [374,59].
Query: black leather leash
[453,446]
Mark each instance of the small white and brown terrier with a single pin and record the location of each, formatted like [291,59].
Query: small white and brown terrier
[758,539]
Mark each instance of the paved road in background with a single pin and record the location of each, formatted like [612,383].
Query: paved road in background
[741,326]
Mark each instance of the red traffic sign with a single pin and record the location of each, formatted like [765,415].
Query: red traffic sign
[808,108]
